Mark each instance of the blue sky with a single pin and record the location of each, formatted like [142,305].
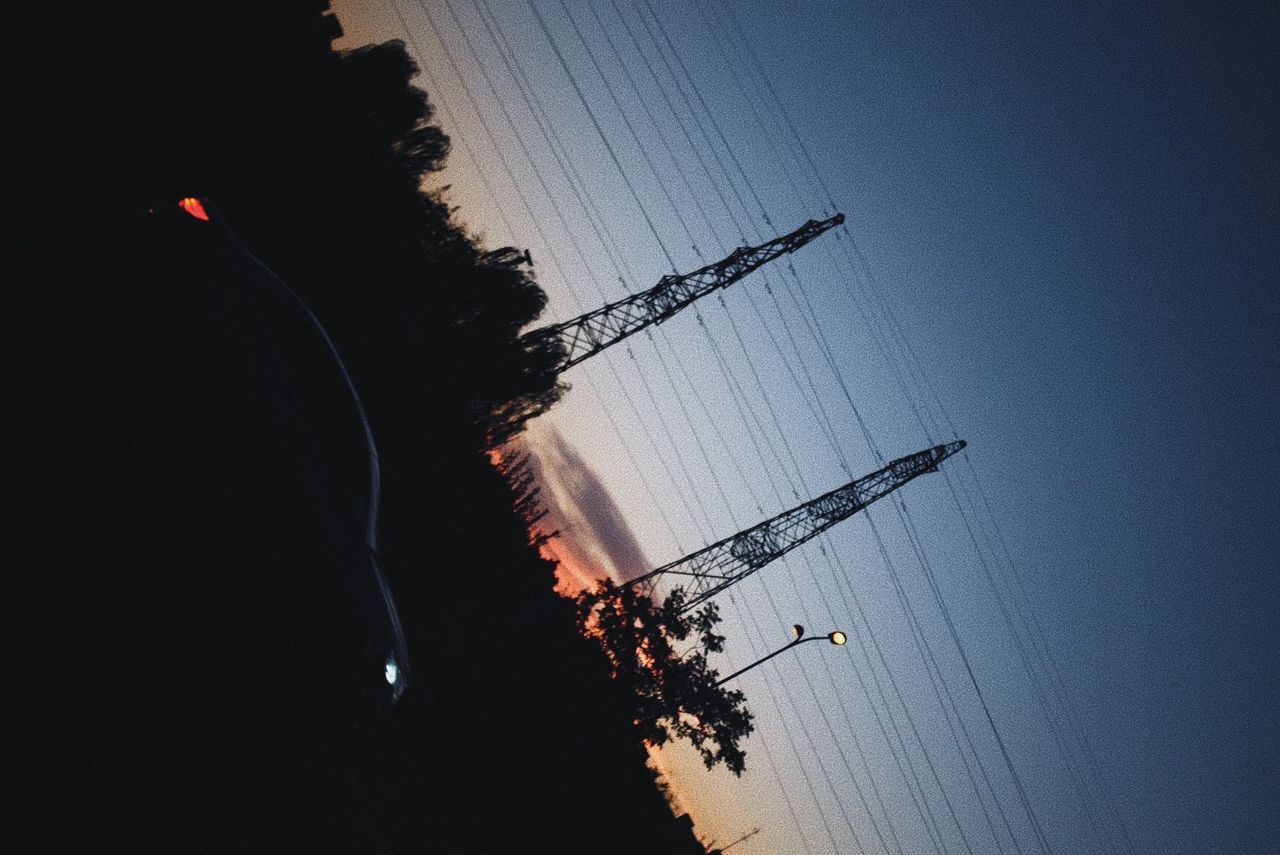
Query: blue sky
[1068,212]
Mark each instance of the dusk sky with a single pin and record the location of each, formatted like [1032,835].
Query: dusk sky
[1061,247]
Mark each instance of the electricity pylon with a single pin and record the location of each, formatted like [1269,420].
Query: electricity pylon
[587,335]
[710,570]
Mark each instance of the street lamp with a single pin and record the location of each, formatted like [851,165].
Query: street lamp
[835,637]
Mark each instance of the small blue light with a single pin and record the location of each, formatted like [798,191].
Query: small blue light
[392,671]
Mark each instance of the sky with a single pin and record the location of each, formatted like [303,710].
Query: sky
[1059,247]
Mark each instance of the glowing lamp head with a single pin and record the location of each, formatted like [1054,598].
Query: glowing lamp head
[392,671]
[194,207]
[837,637]
[797,630]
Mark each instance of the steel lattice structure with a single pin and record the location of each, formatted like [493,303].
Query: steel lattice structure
[712,569]
[587,335]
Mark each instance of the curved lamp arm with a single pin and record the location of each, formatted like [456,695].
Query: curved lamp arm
[835,637]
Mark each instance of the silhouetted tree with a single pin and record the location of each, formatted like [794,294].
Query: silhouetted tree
[517,468]
[675,692]
[445,288]
[317,159]
[516,376]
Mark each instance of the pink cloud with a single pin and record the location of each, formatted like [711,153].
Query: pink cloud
[595,540]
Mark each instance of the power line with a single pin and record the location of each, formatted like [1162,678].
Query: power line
[928,382]
[810,320]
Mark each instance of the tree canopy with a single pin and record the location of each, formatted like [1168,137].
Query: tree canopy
[317,160]
[345,213]
[674,690]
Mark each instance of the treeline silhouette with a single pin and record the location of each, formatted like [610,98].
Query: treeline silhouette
[183,679]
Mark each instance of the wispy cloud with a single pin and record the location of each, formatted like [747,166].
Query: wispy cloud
[595,540]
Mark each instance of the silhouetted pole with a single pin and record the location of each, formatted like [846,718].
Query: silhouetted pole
[752,833]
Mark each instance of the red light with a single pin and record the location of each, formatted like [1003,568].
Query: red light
[193,207]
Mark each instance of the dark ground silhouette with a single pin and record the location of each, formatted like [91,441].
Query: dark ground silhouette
[194,659]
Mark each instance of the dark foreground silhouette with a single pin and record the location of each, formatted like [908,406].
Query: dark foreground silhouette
[205,658]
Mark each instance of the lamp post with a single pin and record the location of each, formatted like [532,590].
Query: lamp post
[836,637]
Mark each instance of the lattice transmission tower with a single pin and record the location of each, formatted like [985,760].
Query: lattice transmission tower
[587,335]
[710,570]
